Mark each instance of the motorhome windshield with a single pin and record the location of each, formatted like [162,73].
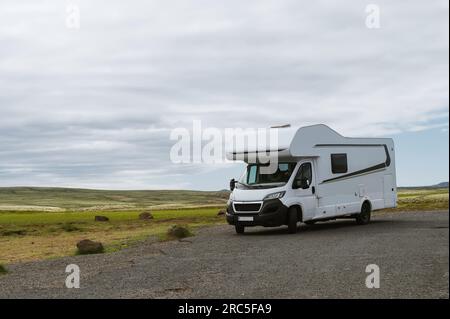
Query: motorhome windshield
[253,177]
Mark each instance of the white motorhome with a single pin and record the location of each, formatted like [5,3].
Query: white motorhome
[321,175]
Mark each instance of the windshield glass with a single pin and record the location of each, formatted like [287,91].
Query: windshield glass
[254,177]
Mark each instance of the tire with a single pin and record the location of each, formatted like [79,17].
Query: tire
[292,221]
[310,222]
[363,218]
[239,229]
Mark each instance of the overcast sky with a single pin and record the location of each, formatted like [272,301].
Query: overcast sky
[94,107]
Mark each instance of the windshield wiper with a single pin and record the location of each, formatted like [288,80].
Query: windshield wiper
[243,184]
[261,186]
[266,185]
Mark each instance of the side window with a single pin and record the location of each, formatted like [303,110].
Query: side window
[304,175]
[252,173]
[339,163]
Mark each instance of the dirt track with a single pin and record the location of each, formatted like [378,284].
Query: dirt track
[326,260]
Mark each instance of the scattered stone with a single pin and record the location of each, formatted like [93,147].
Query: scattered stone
[145,216]
[221,212]
[177,231]
[13,232]
[3,270]
[101,219]
[70,227]
[87,246]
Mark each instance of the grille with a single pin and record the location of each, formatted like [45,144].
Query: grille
[250,207]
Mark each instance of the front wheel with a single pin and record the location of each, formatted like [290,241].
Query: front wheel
[239,229]
[363,218]
[292,221]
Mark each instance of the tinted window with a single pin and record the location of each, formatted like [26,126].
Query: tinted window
[252,174]
[339,163]
[304,172]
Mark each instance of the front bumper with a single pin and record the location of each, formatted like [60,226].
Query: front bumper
[273,213]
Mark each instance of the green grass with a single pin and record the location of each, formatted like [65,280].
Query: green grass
[27,236]
[34,217]
[70,227]
[417,199]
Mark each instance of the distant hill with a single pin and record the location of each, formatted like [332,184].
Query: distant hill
[441,185]
[62,199]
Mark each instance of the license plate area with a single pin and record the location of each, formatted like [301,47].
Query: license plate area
[245,218]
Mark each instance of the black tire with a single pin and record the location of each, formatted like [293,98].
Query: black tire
[363,218]
[310,222]
[239,229]
[292,221]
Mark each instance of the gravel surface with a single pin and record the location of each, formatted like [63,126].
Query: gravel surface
[327,260]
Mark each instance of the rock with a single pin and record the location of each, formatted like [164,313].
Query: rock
[3,270]
[221,212]
[87,246]
[178,232]
[101,219]
[145,216]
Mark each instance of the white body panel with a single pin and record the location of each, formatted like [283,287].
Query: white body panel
[370,174]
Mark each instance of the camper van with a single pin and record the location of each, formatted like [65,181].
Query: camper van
[320,176]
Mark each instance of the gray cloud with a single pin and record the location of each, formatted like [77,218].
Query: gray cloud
[94,107]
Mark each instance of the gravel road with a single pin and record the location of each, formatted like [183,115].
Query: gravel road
[327,260]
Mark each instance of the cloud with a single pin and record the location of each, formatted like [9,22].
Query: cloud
[95,106]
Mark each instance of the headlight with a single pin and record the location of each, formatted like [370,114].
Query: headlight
[275,195]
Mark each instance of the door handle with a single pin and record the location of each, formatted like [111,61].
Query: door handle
[313,189]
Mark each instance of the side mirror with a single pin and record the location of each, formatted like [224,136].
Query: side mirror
[304,183]
[301,183]
[232,184]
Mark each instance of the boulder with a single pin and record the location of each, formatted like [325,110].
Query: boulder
[177,231]
[221,212]
[145,216]
[101,218]
[87,246]
[3,270]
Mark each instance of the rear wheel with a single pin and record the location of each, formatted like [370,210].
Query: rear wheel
[363,218]
[292,220]
[239,229]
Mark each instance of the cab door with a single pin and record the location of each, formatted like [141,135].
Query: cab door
[304,187]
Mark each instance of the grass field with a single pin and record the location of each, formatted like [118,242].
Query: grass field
[69,199]
[38,223]
[26,236]
[422,199]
